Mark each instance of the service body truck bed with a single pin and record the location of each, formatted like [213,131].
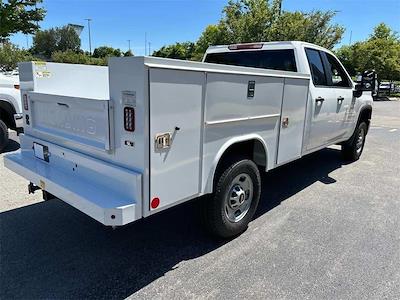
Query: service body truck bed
[125,141]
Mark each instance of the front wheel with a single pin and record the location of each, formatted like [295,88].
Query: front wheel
[229,210]
[353,148]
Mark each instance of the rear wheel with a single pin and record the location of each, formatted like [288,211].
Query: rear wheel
[3,135]
[229,210]
[353,148]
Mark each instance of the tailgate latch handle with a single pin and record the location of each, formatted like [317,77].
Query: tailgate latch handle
[63,104]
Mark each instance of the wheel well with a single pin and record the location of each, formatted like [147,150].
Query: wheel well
[365,116]
[252,149]
[7,112]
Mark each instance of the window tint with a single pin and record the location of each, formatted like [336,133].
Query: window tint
[283,60]
[316,66]
[339,77]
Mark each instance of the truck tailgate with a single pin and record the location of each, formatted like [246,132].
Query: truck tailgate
[108,193]
[73,119]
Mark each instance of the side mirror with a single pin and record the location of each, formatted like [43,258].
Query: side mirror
[367,81]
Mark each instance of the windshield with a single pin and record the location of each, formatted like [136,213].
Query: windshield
[283,59]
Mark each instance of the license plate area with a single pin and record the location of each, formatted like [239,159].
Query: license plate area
[41,151]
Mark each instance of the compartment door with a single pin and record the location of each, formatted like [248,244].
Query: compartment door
[175,134]
[292,119]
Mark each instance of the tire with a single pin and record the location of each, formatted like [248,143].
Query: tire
[228,211]
[3,135]
[353,148]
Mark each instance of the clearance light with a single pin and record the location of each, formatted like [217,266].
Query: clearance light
[26,102]
[129,118]
[155,203]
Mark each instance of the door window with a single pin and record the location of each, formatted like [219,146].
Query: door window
[316,66]
[339,77]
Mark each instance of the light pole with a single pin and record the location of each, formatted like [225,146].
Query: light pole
[129,43]
[90,39]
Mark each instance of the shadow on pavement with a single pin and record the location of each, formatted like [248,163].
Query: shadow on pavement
[50,250]
[11,146]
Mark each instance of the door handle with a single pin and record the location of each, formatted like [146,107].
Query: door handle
[63,104]
[340,99]
[320,99]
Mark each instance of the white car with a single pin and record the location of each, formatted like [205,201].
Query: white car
[10,106]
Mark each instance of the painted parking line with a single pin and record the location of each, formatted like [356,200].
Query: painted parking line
[393,130]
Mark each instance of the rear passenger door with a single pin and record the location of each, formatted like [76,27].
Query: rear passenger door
[323,127]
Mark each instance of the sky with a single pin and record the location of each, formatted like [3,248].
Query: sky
[114,22]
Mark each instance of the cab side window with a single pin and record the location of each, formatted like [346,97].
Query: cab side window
[317,67]
[339,77]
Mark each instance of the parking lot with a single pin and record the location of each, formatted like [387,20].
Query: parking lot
[325,229]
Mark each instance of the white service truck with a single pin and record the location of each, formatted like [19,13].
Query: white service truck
[10,107]
[126,141]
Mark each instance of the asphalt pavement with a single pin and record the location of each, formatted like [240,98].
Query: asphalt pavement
[325,229]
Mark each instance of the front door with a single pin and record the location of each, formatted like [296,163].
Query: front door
[323,102]
[341,83]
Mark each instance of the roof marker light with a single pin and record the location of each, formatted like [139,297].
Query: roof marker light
[246,46]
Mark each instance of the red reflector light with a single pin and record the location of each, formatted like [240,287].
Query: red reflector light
[129,118]
[25,97]
[246,46]
[155,203]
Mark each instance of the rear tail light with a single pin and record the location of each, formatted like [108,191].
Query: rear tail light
[25,97]
[129,118]
[246,46]
[16,86]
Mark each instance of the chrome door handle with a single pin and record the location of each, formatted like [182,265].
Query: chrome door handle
[320,99]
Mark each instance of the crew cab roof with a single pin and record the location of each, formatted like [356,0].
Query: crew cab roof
[265,46]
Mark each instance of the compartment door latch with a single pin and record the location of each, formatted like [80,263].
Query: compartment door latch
[163,141]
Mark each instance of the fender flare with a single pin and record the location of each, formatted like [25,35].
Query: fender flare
[237,139]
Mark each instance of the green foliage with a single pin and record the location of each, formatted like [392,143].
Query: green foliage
[19,16]
[73,57]
[106,51]
[246,21]
[313,27]
[178,51]
[381,51]
[55,39]
[11,55]
[128,53]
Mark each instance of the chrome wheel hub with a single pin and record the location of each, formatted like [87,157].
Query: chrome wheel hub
[239,197]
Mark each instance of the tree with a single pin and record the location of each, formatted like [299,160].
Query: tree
[46,42]
[313,27]
[128,53]
[178,51]
[72,57]
[381,51]
[19,16]
[246,21]
[11,55]
[106,51]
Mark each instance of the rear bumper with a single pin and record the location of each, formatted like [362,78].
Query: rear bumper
[107,193]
